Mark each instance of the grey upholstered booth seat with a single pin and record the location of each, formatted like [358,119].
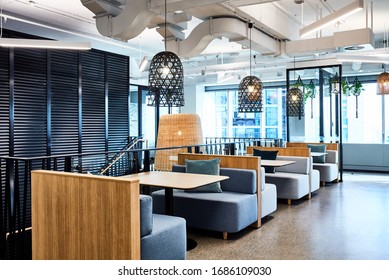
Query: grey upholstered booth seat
[329,170]
[229,211]
[162,237]
[296,180]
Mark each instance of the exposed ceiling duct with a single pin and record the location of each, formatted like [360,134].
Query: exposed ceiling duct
[129,23]
[231,28]
[129,20]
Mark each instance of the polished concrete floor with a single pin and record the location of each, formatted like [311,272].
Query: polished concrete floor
[342,221]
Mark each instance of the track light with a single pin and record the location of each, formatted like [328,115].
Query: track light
[331,18]
[43,44]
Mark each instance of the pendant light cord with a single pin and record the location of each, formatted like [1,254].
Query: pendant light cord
[250,27]
[165,23]
[1,18]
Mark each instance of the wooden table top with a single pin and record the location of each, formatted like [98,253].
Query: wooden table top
[175,180]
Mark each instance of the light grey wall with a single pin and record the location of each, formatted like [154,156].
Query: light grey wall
[297,129]
[190,100]
[369,157]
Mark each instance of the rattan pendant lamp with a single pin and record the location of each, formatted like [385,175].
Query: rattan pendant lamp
[250,90]
[166,78]
[383,82]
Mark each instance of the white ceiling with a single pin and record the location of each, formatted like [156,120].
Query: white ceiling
[279,19]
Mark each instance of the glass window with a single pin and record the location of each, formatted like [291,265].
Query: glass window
[362,116]
[272,116]
[225,120]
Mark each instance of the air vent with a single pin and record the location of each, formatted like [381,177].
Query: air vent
[354,48]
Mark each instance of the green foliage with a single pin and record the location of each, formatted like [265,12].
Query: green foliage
[357,87]
[310,91]
[346,88]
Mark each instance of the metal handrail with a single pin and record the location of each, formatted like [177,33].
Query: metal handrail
[120,156]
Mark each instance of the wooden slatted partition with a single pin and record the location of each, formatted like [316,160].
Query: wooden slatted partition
[84,217]
[229,161]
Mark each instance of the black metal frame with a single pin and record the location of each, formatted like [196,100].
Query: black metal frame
[338,108]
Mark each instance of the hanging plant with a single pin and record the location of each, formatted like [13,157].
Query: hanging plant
[346,87]
[357,87]
[310,92]
[356,90]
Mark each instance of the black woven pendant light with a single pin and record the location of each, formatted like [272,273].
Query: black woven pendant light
[250,90]
[166,79]
[295,101]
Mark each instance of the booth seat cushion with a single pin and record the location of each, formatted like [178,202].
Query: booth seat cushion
[328,171]
[289,185]
[167,241]
[212,211]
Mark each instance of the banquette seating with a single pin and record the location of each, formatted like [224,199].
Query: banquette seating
[328,165]
[244,198]
[87,217]
[293,181]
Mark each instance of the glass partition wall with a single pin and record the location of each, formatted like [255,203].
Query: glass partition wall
[320,116]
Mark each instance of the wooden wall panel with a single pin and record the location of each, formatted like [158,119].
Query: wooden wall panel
[84,217]
[330,146]
[289,151]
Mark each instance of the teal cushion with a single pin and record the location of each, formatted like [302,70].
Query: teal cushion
[209,167]
[321,148]
[271,155]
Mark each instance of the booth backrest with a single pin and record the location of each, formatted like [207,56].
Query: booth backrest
[239,180]
[84,217]
[302,165]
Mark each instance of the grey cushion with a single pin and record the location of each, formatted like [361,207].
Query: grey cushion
[209,167]
[226,211]
[270,155]
[240,180]
[289,185]
[328,171]
[301,165]
[167,241]
[146,215]
[320,148]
